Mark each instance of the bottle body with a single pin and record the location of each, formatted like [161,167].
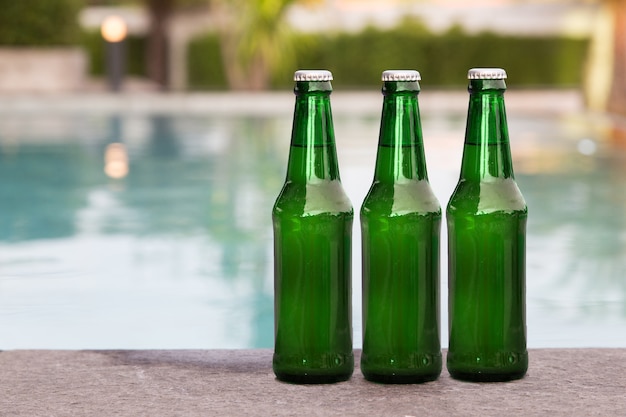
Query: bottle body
[312,221]
[401,340]
[400,229]
[486,218]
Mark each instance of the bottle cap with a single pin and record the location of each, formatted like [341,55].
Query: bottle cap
[486,74]
[401,75]
[312,75]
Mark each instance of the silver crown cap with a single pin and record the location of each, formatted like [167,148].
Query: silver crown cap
[401,75]
[486,74]
[313,75]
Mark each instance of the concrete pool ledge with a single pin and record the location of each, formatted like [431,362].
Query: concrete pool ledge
[276,103]
[560,382]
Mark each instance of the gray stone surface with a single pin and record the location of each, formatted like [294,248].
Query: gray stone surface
[560,382]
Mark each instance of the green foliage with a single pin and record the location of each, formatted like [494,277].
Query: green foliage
[258,42]
[205,69]
[135,55]
[357,60]
[39,22]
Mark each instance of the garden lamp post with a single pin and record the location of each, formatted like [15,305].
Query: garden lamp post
[114,31]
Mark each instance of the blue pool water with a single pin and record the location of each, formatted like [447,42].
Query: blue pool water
[154,231]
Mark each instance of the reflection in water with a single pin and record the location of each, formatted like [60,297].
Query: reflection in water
[174,255]
[577,242]
[41,188]
[116,161]
[163,141]
[170,246]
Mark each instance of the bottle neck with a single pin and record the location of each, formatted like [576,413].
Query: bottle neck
[400,154]
[486,153]
[312,154]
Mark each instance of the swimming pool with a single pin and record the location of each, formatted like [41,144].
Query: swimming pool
[152,229]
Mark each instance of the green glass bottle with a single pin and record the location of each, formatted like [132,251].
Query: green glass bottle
[312,220]
[486,219]
[400,229]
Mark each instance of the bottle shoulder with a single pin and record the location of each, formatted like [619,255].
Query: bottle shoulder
[487,196]
[312,198]
[400,198]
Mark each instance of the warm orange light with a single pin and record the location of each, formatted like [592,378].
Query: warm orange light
[116,161]
[114,29]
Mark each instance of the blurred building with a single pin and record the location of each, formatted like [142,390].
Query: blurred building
[573,18]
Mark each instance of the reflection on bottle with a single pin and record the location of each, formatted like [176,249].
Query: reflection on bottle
[116,160]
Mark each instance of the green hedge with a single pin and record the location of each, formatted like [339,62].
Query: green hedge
[39,22]
[204,64]
[357,60]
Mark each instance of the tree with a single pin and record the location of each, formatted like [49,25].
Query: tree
[156,53]
[605,84]
[160,12]
[617,97]
[254,39]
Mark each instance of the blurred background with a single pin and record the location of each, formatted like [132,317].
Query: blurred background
[143,143]
[255,44]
